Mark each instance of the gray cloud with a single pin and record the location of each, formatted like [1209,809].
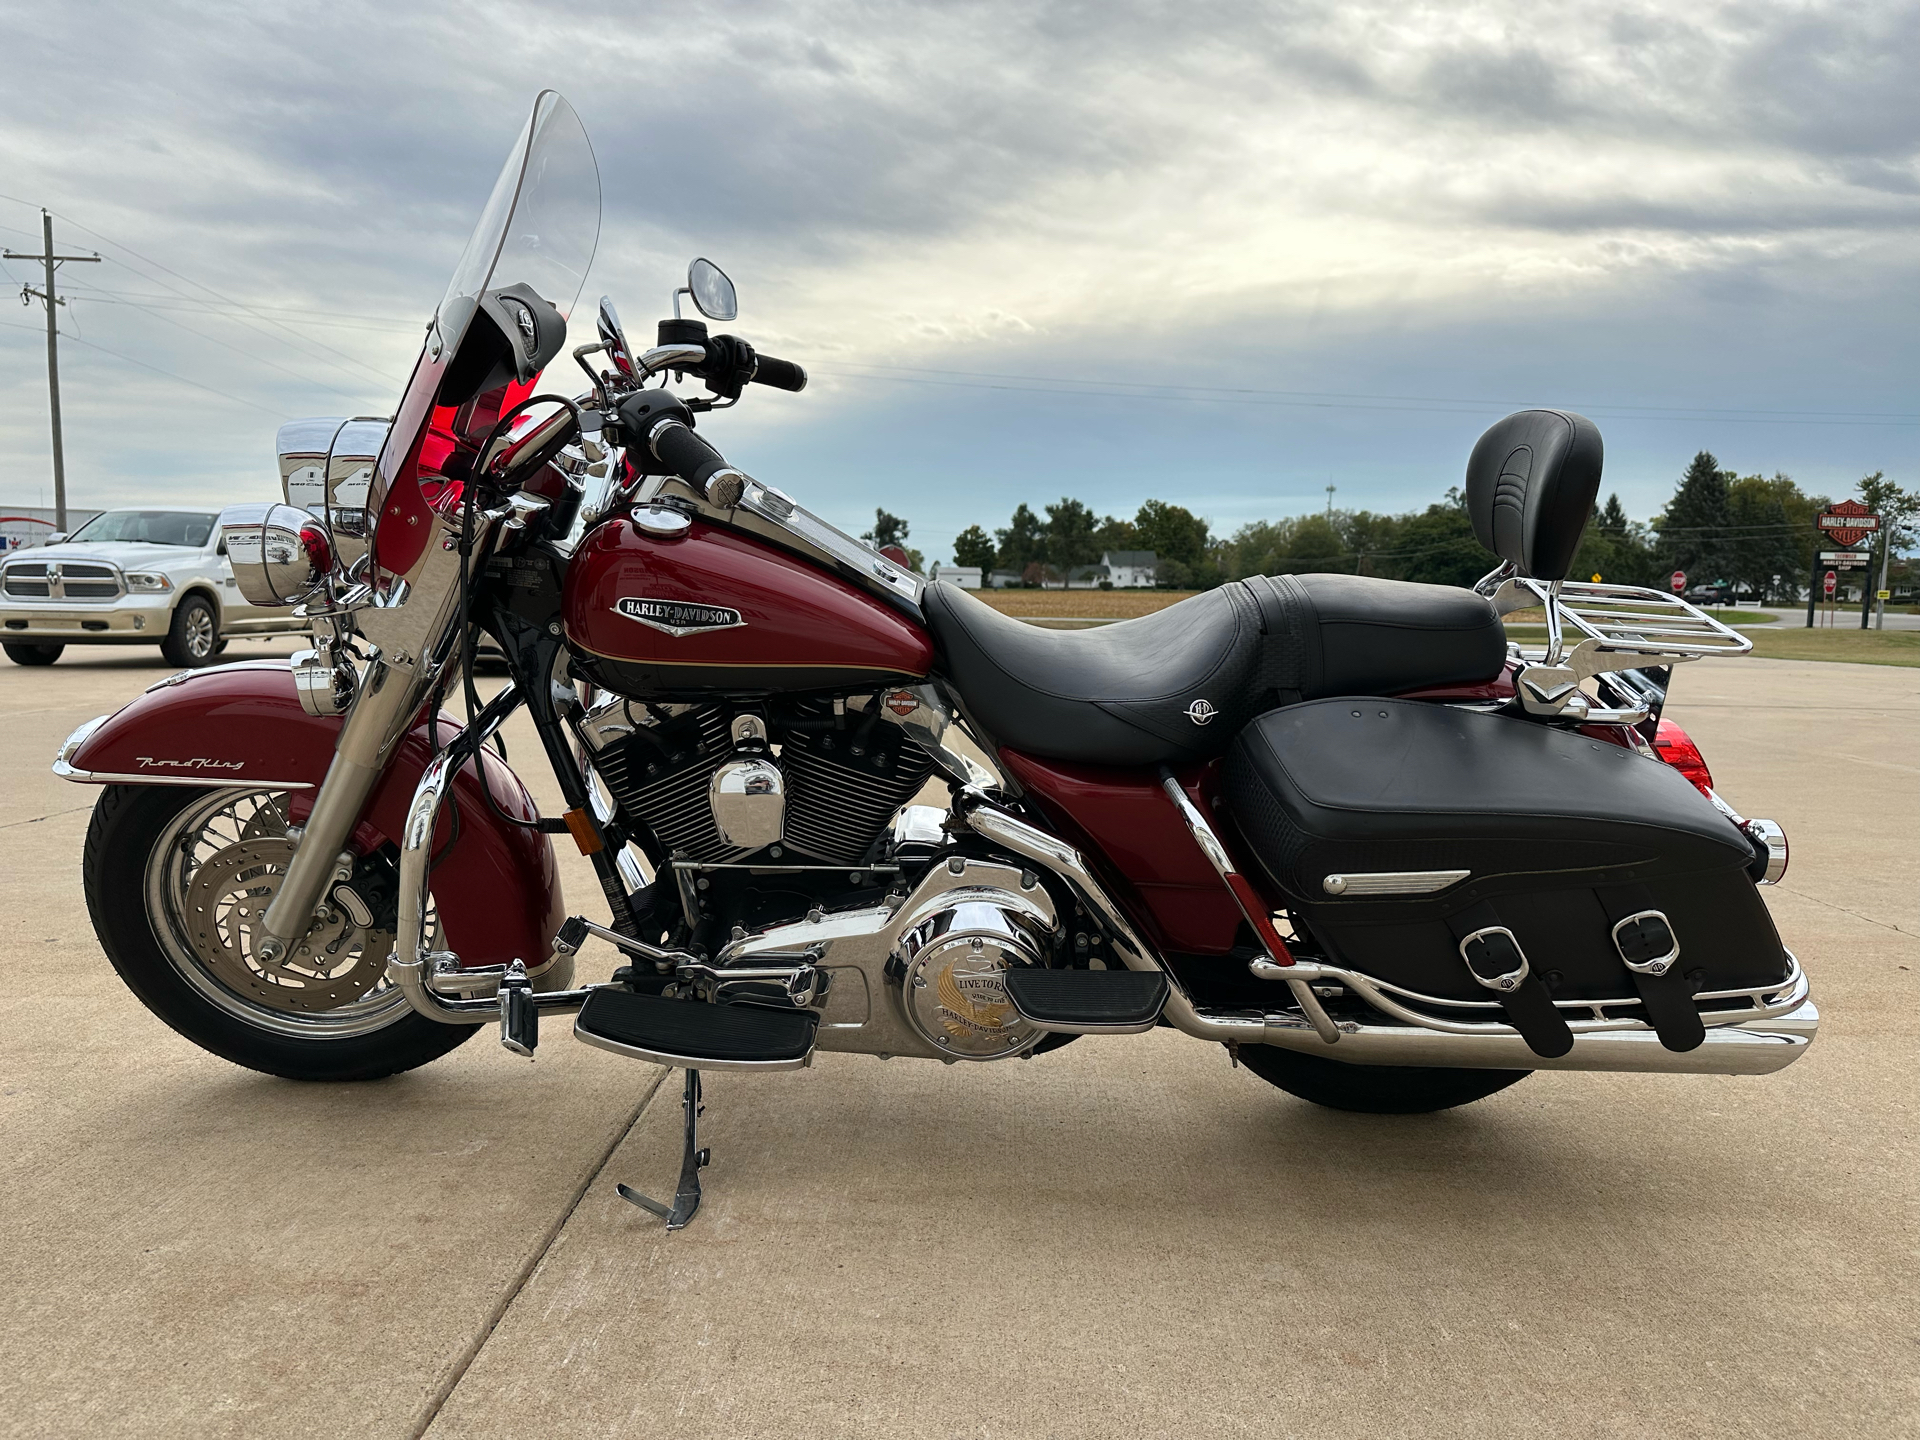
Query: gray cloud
[1121,189]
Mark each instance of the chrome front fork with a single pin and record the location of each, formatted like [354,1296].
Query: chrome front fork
[411,635]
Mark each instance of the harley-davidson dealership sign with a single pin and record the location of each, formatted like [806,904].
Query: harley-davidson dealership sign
[1849,522]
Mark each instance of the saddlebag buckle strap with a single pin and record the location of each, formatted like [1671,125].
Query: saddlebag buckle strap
[1651,952]
[1494,958]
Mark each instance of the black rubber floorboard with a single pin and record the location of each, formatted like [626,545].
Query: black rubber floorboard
[1088,997]
[697,1030]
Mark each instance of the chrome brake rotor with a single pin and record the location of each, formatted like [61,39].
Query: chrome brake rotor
[333,965]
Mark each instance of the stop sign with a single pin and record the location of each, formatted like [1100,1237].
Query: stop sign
[1831,580]
[1679,581]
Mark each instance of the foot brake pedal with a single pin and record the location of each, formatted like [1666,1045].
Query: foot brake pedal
[1088,1002]
[691,1035]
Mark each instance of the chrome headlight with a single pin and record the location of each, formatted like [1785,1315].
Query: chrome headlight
[139,583]
[280,555]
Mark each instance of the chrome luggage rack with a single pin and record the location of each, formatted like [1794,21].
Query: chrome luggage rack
[1611,627]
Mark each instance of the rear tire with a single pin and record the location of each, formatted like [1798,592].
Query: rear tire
[1373,1089]
[131,824]
[193,636]
[22,653]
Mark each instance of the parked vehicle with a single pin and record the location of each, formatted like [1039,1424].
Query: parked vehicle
[131,577]
[1333,823]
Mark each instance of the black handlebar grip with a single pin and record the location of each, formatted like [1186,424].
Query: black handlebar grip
[781,374]
[691,457]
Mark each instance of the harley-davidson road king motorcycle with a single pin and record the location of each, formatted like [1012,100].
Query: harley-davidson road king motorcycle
[1334,823]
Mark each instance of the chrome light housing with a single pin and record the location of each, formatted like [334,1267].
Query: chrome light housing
[326,468]
[280,555]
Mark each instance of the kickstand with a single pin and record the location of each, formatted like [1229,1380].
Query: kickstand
[686,1199]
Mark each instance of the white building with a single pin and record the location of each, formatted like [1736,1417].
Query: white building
[1118,569]
[967,577]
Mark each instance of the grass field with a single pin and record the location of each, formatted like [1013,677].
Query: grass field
[1081,604]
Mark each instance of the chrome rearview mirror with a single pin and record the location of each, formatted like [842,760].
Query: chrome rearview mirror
[615,339]
[712,291]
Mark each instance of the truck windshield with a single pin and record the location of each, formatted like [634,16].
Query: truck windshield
[148,527]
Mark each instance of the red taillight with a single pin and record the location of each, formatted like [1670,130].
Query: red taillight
[318,549]
[1676,747]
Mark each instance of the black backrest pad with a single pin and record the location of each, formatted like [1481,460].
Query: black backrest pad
[1531,483]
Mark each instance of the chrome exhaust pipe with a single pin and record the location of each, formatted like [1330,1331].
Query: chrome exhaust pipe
[1752,1047]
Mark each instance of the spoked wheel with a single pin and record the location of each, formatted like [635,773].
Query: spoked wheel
[177,882]
[1373,1089]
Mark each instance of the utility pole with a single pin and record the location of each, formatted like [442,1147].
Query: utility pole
[1330,490]
[27,296]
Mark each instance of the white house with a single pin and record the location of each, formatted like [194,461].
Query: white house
[967,577]
[1119,569]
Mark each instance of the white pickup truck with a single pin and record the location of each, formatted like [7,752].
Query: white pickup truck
[130,577]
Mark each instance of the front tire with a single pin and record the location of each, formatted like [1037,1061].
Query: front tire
[145,846]
[1373,1089]
[193,636]
[23,653]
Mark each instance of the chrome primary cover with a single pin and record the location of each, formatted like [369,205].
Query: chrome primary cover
[872,958]
[957,958]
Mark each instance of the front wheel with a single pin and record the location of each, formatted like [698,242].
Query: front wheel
[193,636]
[1373,1089]
[22,653]
[177,880]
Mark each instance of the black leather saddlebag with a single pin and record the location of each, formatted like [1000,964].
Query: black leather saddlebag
[1361,810]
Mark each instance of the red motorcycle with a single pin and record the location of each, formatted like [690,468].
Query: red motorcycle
[1334,823]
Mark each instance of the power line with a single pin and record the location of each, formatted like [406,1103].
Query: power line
[92,345]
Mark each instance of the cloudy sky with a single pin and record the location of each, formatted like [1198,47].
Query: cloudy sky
[1225,255]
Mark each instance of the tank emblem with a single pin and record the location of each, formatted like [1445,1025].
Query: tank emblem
[1201,712]
[677,617]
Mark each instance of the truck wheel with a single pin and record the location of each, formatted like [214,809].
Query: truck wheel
[176,882]
[24,654]
[1373,1089]
[193,639]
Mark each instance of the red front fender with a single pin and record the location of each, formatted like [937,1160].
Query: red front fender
[495,886]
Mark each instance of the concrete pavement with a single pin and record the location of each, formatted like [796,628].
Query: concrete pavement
[1126,1237]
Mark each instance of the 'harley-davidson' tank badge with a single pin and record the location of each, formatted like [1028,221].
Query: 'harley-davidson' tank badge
[677,617]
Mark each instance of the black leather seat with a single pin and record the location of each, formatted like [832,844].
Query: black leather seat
[1178,685]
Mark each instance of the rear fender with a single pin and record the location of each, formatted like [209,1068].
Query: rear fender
[495,885]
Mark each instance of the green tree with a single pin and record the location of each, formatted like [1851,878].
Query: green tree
[973,546]
[1173,533]
[1114,534]
[1696,529]
[1021,543]
[1069,534]
[1316,545]
[1613,519]
[892,530]
[1898,509]
[1438,546]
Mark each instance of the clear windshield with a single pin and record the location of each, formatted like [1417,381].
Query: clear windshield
[541,224]
[540,227]
[147,527]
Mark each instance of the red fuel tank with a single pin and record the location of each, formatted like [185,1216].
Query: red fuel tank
[714,611]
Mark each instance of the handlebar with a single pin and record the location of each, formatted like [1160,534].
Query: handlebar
[781,374]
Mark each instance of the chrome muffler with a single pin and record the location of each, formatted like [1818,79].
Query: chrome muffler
[1752,1047]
